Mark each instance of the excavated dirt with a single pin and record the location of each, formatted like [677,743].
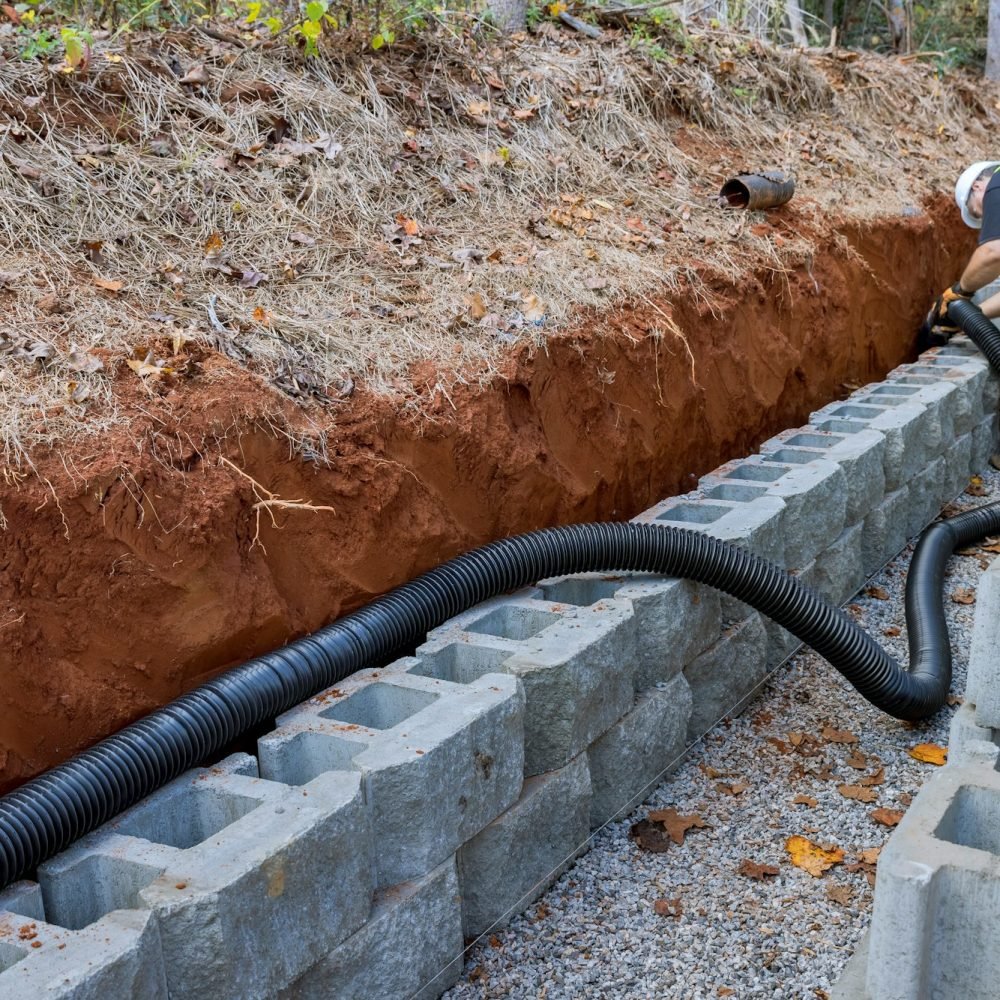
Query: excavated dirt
[133,568]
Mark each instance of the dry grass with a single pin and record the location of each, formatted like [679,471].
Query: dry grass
[473,197]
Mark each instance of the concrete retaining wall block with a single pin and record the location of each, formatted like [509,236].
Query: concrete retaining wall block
[576,664]
[218,857]
[674,619]
[958,464]
[984,442]
[116,956]
[409,949]
[983,684]
[937,905]
[884,531]
[522,852]
[726,676]
[838,572]
[639,750]
[969,742]
[912,432]
[814,493]
[860,454]
[735,512]
[437,760]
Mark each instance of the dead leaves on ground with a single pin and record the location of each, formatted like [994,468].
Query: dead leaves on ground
[929,753]
[812,858]
[887,817]
[668,908]
[663,827]
[758,872]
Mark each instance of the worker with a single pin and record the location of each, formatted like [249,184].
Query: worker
[978,195]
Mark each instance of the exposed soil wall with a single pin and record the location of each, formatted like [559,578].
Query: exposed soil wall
[131,572]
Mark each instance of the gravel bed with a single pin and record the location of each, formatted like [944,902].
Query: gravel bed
[597,932]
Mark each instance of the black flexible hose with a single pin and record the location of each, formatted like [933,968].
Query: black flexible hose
[979,329]
[48,813]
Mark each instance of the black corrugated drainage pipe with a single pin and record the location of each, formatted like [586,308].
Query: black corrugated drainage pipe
[48,813]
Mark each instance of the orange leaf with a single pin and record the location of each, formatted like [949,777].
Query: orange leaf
[857,792]
[811,857]
[929,753]
[213,245]
[887,817]
[410,226]
[108,285]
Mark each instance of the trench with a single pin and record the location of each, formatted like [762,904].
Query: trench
[129,583]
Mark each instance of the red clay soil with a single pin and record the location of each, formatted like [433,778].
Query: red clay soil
[130,573]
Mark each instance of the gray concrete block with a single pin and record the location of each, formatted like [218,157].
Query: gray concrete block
[726,676]
[884,532]
[859,453]
[925,496]
[814,494]
[674,619]
[958,460]
[943,396]
[983,684]
[409,949]
[743,513]
[969,742]
[23,898]
[912,432]
[222,859]
[522,852]
[838,572]
[851,985]
[116,956]
[577,666]
[984,443]
[639,750]
[437,759]
[937,905]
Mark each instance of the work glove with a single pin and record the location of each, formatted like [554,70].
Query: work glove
[938,328]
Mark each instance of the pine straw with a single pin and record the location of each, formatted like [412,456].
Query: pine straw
[601,189]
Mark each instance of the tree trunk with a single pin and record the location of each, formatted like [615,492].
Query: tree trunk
[510,16]
[993,42]
[794,14]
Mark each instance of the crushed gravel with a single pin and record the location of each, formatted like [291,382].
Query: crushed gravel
[597,932]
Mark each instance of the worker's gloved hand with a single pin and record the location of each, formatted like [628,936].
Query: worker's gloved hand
[938,328]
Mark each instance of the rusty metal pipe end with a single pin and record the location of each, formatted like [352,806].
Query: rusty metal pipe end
[763,189]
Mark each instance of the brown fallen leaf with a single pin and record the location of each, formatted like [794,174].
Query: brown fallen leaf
[869,856]
[857,792]
[733,788]
[668,907]
[725,991]
[955,699]
[675,824]
[879,593]
[876,778]
[892,630]
[475,306]
[811,857]
[887,817]
[832,735]
[857,760]
[929,753]
[841,894]
[805,800]
[108,285]
[755,871]
[963,595]
[650,837]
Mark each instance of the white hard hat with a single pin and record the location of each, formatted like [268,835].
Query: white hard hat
[964,186]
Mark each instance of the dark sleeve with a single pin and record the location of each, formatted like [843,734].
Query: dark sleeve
[991,212]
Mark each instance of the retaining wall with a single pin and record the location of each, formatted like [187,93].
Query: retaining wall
[386,819]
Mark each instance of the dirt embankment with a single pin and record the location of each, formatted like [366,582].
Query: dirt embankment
[130,570]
